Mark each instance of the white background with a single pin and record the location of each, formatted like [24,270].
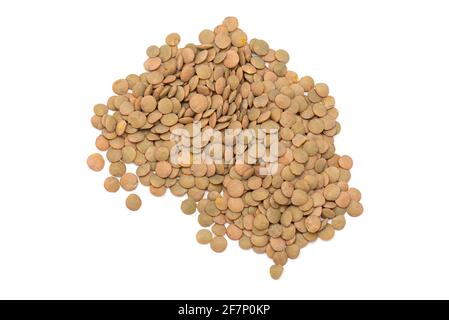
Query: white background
[63,236]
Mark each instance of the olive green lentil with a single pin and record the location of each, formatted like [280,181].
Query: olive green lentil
[188,206]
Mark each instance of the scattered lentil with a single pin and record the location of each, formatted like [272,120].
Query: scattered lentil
[204,236]
[95,162]
[133,202]
[276,271]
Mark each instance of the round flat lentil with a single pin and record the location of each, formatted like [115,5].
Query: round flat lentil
[218,244]
[198,103]
[163,169]
[188,206]
[238,38]
[339,222]
[276,271]
[355,209]
[345,162]
[111,184]
[206,36]
[133,202]
[173,39]
[204,236]
[129,181]
[260,47]
[282,56]
[95,162]
[222,40]
[313,224]
[203,71]
[235,188]
[120,87]
[231,60]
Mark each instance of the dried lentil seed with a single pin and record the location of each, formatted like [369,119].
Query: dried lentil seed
[111,184]
[95,162]
[163,169]
[235,188]
[282,56]
[313,224]
[173,39]
[198,103]
[117,169]
[204,236]
[276,271]
[206,36]
[339,222]
[231,60]
[133,202]
[355,209]
[355,194]
[345,162]
[331,192]
[222,40]
[238,38]
[219,230]
[120,87]
[327,233]
[218,244]
[129,181]
[260,47]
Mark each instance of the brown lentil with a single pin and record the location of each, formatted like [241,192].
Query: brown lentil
[188,206]
[129,181]
[276,271]
[133,202]
[204,236]
[95,162]
[111,184]
[218,244]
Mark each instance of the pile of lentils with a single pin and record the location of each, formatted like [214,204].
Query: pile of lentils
[228,82]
